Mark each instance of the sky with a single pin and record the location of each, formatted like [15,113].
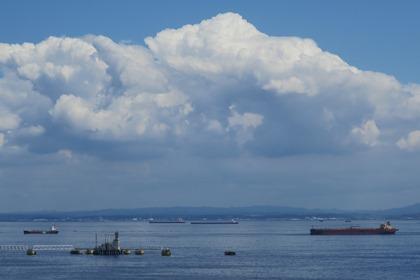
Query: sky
[125,104]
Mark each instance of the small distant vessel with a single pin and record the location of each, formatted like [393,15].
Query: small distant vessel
[165,252]
[347,221]
[52,230]
[231,222]
[177,221]
[382,229]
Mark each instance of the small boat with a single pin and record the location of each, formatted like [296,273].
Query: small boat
[231,222]
[165,252]
[382,229]
[52,230]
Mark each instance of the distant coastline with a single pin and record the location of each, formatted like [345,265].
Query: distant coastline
[190,213]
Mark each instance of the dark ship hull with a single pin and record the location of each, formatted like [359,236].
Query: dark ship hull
[166,222]
[40,231]
[215,223]
[352,231]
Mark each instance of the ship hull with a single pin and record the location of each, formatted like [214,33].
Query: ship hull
[40,232]
[352,231]
[166,222]
[214,223]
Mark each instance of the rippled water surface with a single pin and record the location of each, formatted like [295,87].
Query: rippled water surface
[265,250]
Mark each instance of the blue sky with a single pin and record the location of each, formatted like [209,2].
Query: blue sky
[135,103]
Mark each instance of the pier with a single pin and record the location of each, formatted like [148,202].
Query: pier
[16,248]
[108,248]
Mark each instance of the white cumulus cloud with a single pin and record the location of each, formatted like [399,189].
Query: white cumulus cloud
[244,124]
[8,120]
[411,142]
[367,133]
[228,45]
[178,90]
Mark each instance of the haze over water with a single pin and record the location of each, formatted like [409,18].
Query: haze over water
[265,250]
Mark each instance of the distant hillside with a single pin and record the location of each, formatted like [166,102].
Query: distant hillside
[257,212]
[411,211]
[251,212]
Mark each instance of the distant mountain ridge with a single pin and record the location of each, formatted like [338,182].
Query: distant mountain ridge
[413,209]
[249,212]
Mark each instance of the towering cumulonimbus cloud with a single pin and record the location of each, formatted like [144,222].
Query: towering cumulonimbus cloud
[221,82]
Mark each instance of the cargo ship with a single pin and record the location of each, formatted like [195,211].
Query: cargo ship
[231,222]
[177,221]
[52,230]
[382,229]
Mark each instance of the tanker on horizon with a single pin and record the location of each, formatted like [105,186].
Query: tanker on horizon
[177,221]
[52,230]
[216,222]
[386,228]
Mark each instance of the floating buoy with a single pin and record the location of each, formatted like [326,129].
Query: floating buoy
[166,252]
[230,253]
[139,252]
[30,252]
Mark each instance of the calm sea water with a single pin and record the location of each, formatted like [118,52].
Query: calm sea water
[265,250]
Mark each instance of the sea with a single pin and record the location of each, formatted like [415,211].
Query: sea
[264,250]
